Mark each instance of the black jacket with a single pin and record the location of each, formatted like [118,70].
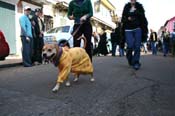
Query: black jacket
[152,39]
[37,28]
[139,19]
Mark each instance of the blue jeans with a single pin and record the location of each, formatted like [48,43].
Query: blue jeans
[165,48]
[153,47]
[27,48]
[133,40]
[121,51]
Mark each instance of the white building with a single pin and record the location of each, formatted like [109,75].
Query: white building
[54,14]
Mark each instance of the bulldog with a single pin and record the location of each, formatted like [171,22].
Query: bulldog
[68,60]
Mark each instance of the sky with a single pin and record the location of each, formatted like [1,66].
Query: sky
[156,11]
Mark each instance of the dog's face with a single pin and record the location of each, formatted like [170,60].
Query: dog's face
[49,51]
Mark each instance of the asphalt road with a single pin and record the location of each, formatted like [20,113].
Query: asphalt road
[118,90]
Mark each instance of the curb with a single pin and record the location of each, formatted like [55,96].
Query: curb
[10,65]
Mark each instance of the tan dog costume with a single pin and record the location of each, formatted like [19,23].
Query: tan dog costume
[74,60]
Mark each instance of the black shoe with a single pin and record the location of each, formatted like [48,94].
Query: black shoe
[137,66]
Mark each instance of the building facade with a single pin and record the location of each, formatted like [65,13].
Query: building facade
[54,14]
[170,24]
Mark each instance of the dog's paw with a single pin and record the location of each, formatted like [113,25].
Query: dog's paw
[75,80]
[92,79]
[54,91]
[67,84]
[56,88]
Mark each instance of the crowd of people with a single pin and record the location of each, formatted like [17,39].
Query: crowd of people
[32,37]
[130,34]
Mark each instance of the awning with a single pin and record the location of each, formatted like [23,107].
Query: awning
[103,22]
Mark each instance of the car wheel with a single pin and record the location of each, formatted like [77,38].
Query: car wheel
[2,58]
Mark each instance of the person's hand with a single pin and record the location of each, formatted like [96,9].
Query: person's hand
[71,17]
[27,39]
[41,34]
[129,18]
[83,18]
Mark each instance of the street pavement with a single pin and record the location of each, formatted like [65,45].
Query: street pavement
[118,90]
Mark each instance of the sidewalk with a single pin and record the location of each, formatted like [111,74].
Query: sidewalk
[11,61]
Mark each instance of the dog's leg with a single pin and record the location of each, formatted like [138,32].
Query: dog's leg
[76,77]
[56,88]
[92,78]
[67,82]
[63,75]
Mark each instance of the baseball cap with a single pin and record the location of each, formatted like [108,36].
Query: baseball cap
[27,8]
[37,10]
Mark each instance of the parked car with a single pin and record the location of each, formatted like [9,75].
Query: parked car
[59,35]
[4,47]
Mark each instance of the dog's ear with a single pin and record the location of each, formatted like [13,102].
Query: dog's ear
[56,46]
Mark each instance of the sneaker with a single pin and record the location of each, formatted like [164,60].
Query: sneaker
[136,66]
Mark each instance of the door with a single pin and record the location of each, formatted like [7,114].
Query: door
[7,24]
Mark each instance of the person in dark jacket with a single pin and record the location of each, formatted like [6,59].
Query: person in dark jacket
[38,41]
[135,30]
[114,41]
[166,41]
[153,40]
[102,47]
[81,11]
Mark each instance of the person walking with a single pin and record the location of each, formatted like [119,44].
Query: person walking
[153,40]
[173,42]
[114,41]
[135,29]
[38,41]
[26,37]
[166,41]
[102,47]
[81,11]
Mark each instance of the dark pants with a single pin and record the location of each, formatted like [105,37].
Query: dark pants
[86,30]
[114,46]
[27,51]
[37,49]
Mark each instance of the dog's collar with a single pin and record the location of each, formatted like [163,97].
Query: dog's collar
[57,57]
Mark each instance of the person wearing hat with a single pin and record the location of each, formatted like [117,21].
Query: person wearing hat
[26,37]
[81,11]
[38,41]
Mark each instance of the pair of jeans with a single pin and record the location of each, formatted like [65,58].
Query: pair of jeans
[27,49]
[133,40]
[121,51]
[165,48]
[153,47]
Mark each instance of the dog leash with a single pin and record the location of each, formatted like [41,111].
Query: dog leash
[73,34]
